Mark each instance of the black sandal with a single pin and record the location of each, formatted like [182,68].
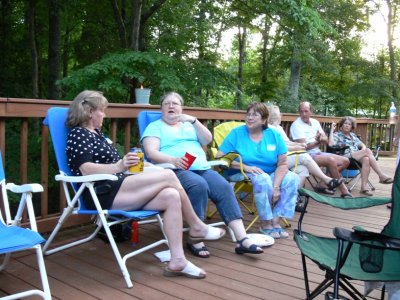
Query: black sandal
[334,183]
[196,251]
[253,249]
[324,191]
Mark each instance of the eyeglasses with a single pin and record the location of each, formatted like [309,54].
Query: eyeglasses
[167,104]
[253,115]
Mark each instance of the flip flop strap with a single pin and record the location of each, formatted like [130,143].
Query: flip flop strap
[191,269]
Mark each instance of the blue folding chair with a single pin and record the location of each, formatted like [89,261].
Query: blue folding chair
[55,120]
[145,118]
[14,238]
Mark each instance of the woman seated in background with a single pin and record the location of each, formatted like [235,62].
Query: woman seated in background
[301,163]
[345,137]
[263,153]
[90,152]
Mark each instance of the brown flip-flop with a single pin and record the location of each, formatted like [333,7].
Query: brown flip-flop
[346,196]
[386,181]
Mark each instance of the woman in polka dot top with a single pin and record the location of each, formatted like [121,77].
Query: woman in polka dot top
[90,152]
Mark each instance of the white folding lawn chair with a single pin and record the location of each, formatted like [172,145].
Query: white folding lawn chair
[14,238]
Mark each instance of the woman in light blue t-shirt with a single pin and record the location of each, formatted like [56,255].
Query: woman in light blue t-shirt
[263,152]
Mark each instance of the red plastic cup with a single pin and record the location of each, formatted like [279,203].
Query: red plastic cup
[189,159]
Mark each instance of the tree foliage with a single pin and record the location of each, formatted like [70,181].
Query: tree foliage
[309,50]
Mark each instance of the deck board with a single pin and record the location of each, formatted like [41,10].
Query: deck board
[89,271]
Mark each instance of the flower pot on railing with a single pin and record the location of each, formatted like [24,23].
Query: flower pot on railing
[142,96]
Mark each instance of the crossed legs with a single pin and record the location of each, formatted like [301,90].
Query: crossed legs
[162,191]
[368,161]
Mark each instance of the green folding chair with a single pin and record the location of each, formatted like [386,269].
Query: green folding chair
[352,254]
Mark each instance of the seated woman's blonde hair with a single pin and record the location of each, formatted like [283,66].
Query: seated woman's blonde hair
[81,107]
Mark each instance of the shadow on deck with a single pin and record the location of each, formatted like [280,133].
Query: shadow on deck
[90,271]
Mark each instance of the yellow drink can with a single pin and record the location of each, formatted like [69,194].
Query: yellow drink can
[140,165]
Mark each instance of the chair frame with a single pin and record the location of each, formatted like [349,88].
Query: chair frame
[10,224]
[103,217]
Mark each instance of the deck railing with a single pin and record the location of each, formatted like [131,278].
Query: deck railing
[26,145]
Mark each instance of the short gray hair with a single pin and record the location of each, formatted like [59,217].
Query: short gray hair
[171,94]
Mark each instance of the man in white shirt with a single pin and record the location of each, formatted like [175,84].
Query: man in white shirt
[308,130]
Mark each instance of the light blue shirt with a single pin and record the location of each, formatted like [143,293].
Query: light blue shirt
[177,140]
[263,154]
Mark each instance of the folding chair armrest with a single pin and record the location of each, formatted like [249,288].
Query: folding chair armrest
[86,178]
[166,166]
[367,238]
[25,188]
[227,160]
[26,201]
[218,163]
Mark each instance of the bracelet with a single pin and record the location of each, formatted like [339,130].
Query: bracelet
[277,187]
[194,121]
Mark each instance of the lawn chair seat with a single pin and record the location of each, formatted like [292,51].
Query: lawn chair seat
[55,120]
[351,255]
[242,184]
[144,119]
[14,238]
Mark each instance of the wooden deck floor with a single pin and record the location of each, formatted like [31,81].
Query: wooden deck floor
[90,272]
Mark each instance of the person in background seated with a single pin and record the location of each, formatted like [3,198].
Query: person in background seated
[90,152]
[263,153]
[358,151]
[300,163]
[166,141]
[309,131]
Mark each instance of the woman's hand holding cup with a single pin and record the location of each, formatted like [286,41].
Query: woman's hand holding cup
[189,158]
[184,162]
[134,161]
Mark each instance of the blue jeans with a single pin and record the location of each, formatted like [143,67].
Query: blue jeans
[208,184]
[262,190]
